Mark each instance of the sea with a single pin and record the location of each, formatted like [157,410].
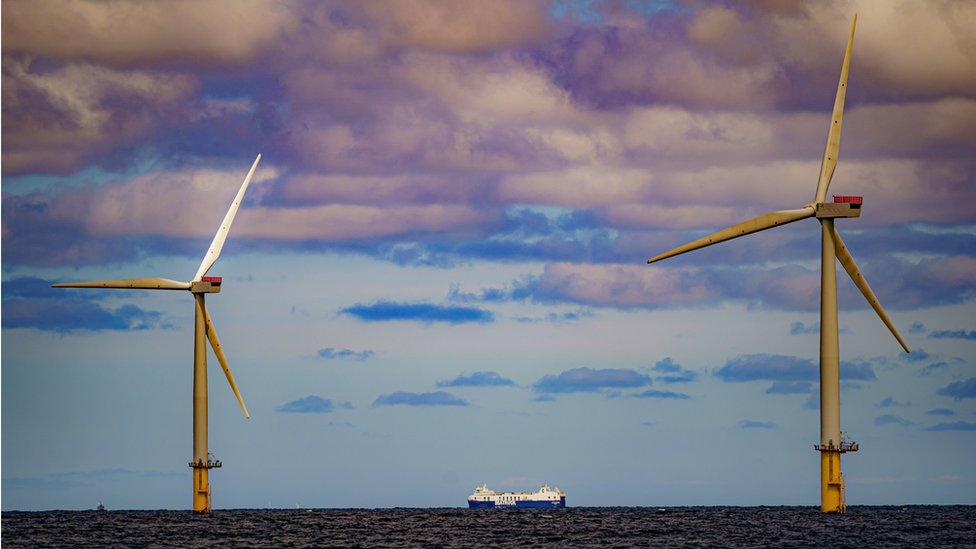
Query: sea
[861,526]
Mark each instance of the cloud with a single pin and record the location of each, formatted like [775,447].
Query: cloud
[461,27]
[490,295]
[312,188]
[437,398]
[685,377]
[63,241]
[952,426]
[917,355]
[806,40]
[901,284]
[331,353]
[619,286]
[889,402]
[71,315]
[126,32]
[889,419]
[940,412]
[667,365]
[588,380]
[673,372]
[155,209]
[856,369]
[58,120]
[383,311]
[917,328]
[651,393]
[412,133]
[346,222]
[766,367]
[789,388]
[953,334]
[798,328]
[749,424]
[312,404]
[30,302]
[936,281]
[959,390]
[556,318]
[478,379]
[933,367]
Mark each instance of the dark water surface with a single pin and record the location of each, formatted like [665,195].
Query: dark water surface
[926,526]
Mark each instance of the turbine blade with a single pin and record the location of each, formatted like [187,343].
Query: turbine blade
[756,224]
[832,149]
[218,242]
[128,284]
[847,260]
[219,351]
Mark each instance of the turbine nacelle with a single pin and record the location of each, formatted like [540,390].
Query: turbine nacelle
[206,285]
[842,206]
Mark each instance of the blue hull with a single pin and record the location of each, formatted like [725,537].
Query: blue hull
[519,504]
[481,504]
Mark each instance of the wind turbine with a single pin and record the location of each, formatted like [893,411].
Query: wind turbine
[203,329]
[833,248]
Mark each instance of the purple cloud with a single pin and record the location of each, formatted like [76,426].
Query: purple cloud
[385,311]
[30,302]
[953,334]
[312,404]
[672,372]
[478,379]
[890,419]
[959,390]
[332,353]
[767,367]
[940,412]
[952,426]
[404,398]
[669,395]
[588,380]
[889,402]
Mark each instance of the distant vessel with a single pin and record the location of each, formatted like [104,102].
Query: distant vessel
[545,498]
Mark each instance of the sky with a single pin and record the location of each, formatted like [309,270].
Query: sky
[437,278]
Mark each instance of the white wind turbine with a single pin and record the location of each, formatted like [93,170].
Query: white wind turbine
[203,330]
[833,248]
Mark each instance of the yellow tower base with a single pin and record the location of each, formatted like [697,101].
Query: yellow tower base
[201,490]
[831,483]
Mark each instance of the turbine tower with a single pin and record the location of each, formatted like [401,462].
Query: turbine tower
[831,445]
[203,330]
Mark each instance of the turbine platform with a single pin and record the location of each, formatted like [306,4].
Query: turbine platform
[210,464]
[843,448]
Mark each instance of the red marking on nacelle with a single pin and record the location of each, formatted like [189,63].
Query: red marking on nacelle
[211,279]
[848,199]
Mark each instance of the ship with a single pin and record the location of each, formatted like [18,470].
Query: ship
[545,498]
